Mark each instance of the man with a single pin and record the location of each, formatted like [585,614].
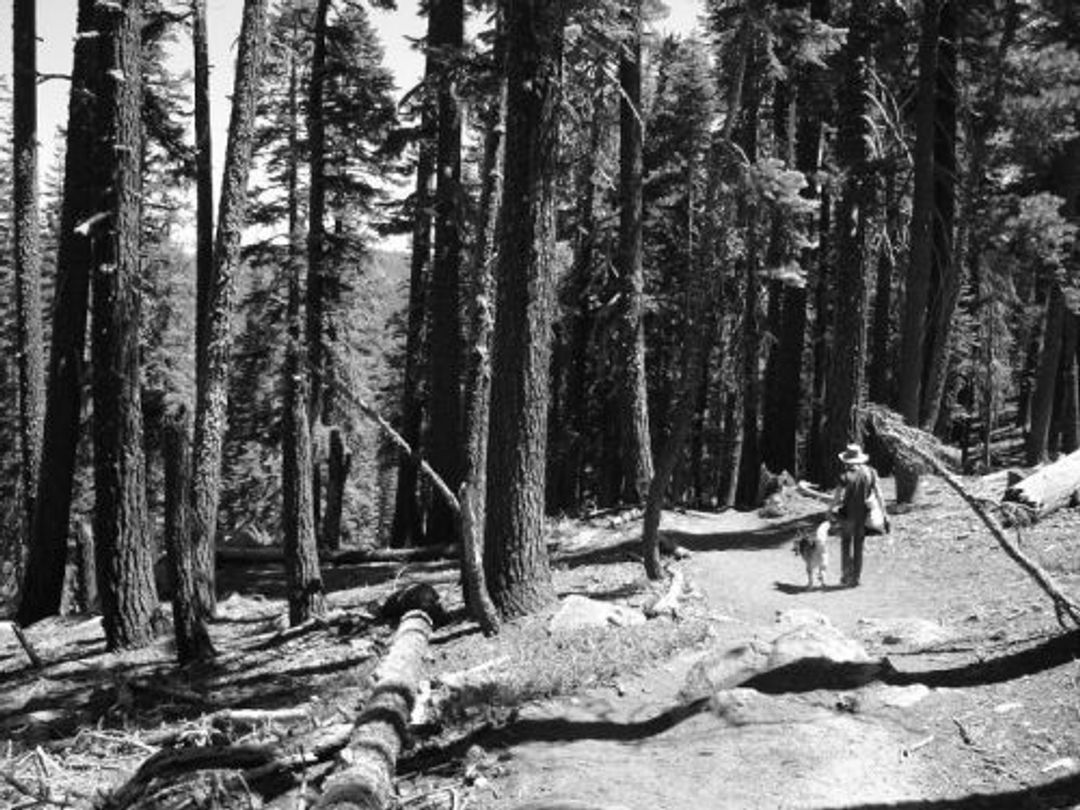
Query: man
[857,495]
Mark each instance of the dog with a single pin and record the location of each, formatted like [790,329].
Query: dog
[814,550]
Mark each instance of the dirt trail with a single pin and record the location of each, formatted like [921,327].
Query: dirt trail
[636,750]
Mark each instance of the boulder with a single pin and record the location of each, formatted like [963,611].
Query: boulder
[579,611]
[725,668]
[818,641]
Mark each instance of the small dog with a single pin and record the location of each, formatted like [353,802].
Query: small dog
[814,550]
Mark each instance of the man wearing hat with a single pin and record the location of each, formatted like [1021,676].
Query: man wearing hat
[851,505]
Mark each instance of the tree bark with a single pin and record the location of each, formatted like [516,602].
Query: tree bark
[847,377]
[337,474]
[446,347]
[192,639]
[945,273]
[516,560]
[633,396]
[912,351]
[1042,400]
[121,527]
[211,403]
[44,582]
[204,191]
[27,257]
[302,574]
[316,316]
[478,382]
[783,377]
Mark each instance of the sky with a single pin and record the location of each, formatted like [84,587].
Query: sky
[56,29]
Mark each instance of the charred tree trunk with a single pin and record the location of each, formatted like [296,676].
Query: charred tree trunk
[446,349]
[633,397]
[27,240]
[44,582]
[124,562]
[192,639]
[337,473]
[857,198]
[516,560]
[211,401]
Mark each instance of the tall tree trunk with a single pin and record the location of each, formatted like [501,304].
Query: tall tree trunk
[912,351]
[783,376]
[211,401]
[446,347]
[1068,426]
[750,357]
[516,560]
[192,639]
[478,379]
[911,371]
[881,330]
[121,527]
[1042,399]
[302,574]
[408,528]
[700,323]
[945,273]
[857,197]
[43,586]
[204,191]
[818,465]
[568,480]
[27,257]
[316,315]
[814,102]
[636,443]
[339,460]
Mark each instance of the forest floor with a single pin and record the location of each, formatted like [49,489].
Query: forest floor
[985,710]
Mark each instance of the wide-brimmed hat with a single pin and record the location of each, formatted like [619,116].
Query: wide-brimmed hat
[854,454]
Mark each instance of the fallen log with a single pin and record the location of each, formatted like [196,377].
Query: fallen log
[366,783]
[1048,489]
[352,556]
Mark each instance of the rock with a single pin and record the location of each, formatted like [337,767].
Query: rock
[820,641]
[797,617]
[903,697]
[724,668]
[911,632]
[580,611]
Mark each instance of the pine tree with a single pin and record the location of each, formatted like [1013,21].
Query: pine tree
[516,562]
[124,563]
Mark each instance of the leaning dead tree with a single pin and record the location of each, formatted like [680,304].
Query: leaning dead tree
[922,450]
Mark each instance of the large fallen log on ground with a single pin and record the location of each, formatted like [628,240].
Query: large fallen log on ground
[1048,489]
[352,556]
[367,782]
